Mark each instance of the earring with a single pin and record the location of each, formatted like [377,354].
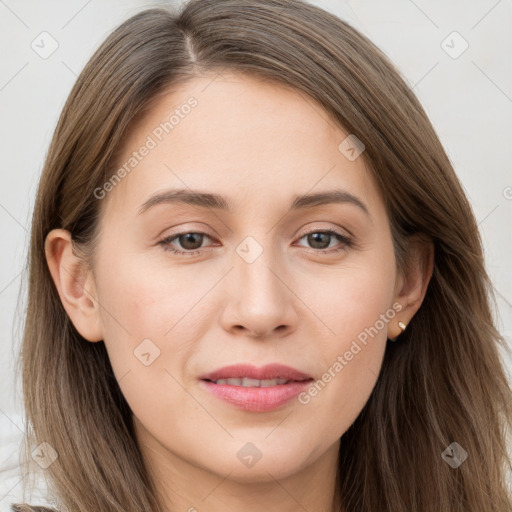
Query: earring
[402,327]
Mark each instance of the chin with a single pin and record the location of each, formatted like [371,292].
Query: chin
[264,464]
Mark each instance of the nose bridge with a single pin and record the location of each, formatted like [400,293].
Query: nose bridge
[262,301]
[256,267]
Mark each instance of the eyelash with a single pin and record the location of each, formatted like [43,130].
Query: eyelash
[346,242]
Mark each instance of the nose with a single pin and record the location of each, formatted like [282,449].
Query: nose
[260,302]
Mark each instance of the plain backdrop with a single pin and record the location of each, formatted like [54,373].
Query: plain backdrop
[453,53]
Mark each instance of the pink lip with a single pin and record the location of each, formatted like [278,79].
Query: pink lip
[254,398]
[269,371]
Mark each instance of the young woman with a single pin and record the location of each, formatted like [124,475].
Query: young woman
[256,282]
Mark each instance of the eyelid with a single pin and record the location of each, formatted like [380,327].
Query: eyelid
[329,229]
[344,240]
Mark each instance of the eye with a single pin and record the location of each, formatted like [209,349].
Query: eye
[191,242]
[321,239]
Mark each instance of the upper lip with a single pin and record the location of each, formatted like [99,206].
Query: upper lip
[269,371]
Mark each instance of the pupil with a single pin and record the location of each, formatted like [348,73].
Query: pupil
[187,239]
[315,238]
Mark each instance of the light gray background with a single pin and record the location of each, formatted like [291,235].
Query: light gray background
[468,99]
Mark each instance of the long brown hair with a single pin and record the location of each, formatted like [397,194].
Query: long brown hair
[443,382]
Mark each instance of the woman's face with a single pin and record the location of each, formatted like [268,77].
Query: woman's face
[258,281]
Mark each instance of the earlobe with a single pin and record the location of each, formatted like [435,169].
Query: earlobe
[75,284]
[412,284]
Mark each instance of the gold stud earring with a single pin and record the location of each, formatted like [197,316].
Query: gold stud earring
[402,327]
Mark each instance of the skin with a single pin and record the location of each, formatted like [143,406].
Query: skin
[260,145]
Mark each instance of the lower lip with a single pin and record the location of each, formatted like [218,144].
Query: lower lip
[256,399]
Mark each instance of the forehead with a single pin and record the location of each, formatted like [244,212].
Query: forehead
[238,136]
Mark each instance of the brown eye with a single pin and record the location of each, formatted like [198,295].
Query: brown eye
[320,240]
[189,242]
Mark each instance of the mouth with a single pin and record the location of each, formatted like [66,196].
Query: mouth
[246,382]
[256,389]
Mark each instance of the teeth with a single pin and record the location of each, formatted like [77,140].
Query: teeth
[265,383]
[252,383]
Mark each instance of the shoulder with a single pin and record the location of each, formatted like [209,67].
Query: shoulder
[23,507]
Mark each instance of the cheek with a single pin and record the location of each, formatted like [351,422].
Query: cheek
[149,334]
[357,307]
[350,298]
[141,308]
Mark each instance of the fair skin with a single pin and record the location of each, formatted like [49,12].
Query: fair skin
[259,145]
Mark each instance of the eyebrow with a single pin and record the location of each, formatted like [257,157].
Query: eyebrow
[218,202]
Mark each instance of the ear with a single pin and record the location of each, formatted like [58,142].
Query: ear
[412,281]
[74,283]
